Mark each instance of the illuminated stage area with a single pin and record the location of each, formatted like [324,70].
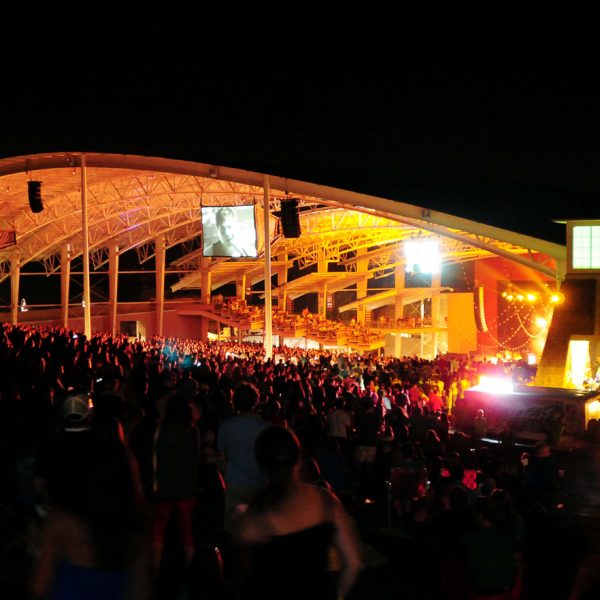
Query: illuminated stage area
[390,277]
[534,414]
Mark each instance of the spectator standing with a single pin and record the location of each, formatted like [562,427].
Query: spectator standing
[235,441]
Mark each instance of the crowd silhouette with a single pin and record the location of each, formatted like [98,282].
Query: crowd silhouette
[171,468]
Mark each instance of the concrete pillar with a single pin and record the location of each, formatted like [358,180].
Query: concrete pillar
[15,274]
[282,278]
[322,267]
[205,281]
[436,282]
[362,265]
[240,288]
[323,301]
[113,284]
[399,284]
[268,330]
[160,254]
[87,295]
[65,279]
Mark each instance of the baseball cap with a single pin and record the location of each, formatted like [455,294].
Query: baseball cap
[75,413]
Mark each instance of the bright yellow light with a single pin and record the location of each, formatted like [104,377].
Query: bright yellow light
[531,359]
[510,297]
[557,298]
[504,294]
[592,410]
[531,297]
[493,384]
[578,361]
[541,322]
[520,297]
[422,256]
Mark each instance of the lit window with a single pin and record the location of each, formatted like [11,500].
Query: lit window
[586,247]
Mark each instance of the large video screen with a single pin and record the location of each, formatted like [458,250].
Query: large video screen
[229,231]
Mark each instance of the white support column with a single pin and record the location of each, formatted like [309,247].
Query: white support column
[422,334]
[362,265]
[87,298]
[65,280]
[205,280]
[160,257]
[323,301]
[322,267]
[240,287]
[205,288]
[15,274]
[399,284]
[113,284]
[282,278]
[436,282]
[268,332]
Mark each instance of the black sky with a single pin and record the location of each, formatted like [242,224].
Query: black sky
[513,148]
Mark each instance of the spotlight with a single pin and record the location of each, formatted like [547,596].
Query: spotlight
[531,297]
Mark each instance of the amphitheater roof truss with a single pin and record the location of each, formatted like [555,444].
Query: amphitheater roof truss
[133,200]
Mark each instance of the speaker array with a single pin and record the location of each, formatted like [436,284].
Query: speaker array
[34,190]
[290,223]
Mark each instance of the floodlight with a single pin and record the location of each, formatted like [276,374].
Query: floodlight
[422,256]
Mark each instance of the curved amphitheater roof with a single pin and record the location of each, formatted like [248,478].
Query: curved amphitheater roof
[134,199]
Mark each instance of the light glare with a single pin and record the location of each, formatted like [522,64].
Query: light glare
[493,384]
[422,256]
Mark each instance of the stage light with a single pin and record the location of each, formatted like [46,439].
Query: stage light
[422,256]
[493,384]
[557,298]
[531,297]
[578,361]
[541,322]
[520,297]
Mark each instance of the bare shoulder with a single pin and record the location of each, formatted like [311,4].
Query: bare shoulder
[252,527]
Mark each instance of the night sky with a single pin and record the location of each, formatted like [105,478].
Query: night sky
[514,149]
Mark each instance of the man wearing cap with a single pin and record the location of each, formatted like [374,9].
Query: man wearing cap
[58,466]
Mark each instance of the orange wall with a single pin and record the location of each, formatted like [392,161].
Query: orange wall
[174,325]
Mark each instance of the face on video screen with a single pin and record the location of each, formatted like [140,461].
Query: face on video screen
[229,231]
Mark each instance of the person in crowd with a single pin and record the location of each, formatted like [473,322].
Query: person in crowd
[480,424]
[176,454]
[492,553]
[339,423]
[94,540]
[539,477]
[290,527]
[235,441]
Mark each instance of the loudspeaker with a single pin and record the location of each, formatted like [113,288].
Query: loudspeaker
[34,189]
[290,223]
